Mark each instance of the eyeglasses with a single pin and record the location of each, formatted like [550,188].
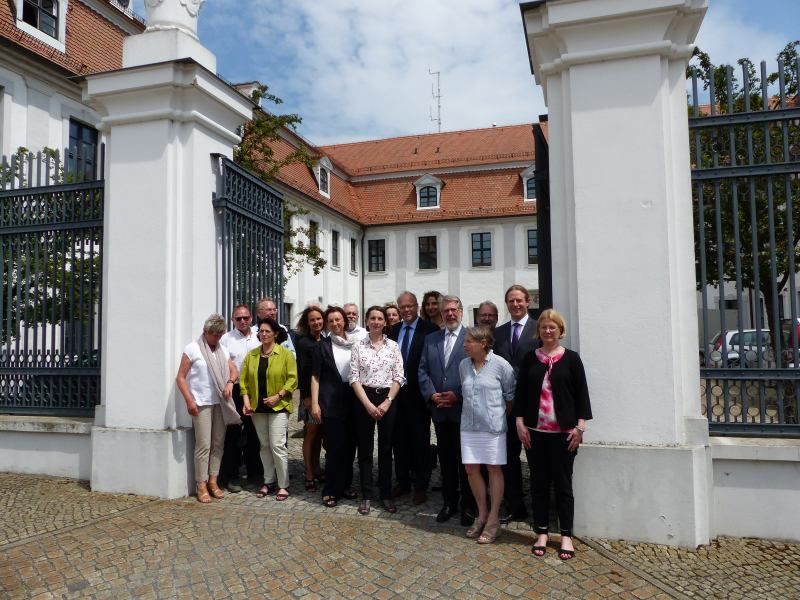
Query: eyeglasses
[241,318]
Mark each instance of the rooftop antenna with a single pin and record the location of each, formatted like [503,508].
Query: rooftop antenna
[437,95]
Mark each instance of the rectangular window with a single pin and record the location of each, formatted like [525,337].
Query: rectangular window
[353,255]
[530,188]
[377,255]
[533,246]
[82,152]
[482,249]
[427,252]
[313,234]
[42,14]
[334,248]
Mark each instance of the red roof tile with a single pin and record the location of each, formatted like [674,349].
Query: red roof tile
[93,43]
[428,152]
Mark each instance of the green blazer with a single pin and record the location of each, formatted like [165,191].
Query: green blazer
[281,375]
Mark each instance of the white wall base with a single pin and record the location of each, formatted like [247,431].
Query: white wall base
[643,493]
[756,488]
[146,462]
[56,446]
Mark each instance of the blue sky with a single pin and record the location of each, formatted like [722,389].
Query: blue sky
[358,69]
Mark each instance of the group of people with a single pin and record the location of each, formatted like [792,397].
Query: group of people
[489,390]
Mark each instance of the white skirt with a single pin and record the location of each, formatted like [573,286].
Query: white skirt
[480,448]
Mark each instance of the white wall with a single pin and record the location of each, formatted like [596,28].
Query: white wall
[454,273]
[35,107]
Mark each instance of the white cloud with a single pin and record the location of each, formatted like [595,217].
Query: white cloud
[355,70]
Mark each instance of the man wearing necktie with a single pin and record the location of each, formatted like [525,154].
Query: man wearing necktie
[512,341]
[412,436]
[440,385]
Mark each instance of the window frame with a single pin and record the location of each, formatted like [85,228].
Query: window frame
[482,249]
[533,259]
[59,40]
[425,201]
[76,159]
[335,248]
[313,233]
[528,177]
[376,255]
[353,255]
[434,251]
[425,182]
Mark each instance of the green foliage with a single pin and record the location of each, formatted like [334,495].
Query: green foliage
[740,215]
[257,154]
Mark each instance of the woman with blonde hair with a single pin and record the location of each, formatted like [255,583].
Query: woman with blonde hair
[551,406]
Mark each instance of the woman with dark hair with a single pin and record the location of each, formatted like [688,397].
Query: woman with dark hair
[267,381]
[309,329]
[551,406]
[376,374]
[430,308]
[332,402]
[205,380]
[392,314]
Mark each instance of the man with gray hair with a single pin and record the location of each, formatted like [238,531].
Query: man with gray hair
[267,309]
[440,386]
[353,329]
[487,314]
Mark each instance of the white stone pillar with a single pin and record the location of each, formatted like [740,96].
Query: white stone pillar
[623,256]
[162,121]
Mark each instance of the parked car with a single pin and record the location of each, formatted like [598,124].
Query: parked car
[741,348]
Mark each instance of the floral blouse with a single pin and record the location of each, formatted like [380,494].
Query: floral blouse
[376,368]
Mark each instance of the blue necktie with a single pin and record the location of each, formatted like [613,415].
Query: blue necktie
[515,337]
[406,341]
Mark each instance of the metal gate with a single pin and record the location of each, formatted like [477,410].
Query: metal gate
[745,152]
[250,229]
[51,238]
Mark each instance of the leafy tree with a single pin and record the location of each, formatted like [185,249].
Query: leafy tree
[256,152]
[743,213]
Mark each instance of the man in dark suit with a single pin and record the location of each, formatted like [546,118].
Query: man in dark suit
[512,341]
[412,436]
[440,385]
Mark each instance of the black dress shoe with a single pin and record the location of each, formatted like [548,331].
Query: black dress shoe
[505,517]
[445,514]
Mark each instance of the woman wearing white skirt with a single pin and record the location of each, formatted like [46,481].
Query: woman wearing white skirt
[487,387]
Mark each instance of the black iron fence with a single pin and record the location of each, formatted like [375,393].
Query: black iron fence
[51,238]
[745,151]
[251,236]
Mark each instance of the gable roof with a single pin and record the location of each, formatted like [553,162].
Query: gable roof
[492,189]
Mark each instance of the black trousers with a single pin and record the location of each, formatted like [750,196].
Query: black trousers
[455,485]
[512,470]
[552,464]
[412,442]
[241,444]
[365,430]
[340,447]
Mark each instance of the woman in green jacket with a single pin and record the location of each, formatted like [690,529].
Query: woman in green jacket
[267,380]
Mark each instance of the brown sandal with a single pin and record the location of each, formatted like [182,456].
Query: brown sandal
[490,533]
[202,493]
[215,491]
[476,530]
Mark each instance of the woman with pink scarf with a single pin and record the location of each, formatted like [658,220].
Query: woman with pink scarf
[205,380]
[551,406]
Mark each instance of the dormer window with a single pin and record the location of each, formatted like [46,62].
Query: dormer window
[429,191]
[529,183]
[44,20]
[322,172]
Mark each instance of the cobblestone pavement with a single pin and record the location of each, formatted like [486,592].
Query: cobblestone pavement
[59,540]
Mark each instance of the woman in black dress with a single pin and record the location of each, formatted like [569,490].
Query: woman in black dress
[309,328]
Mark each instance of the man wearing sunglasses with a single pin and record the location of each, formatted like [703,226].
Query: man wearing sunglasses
[241,441]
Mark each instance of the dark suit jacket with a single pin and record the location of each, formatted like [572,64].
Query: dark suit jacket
[527,342]
[304,347]
[435,376]
[332,391]
[410,391]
